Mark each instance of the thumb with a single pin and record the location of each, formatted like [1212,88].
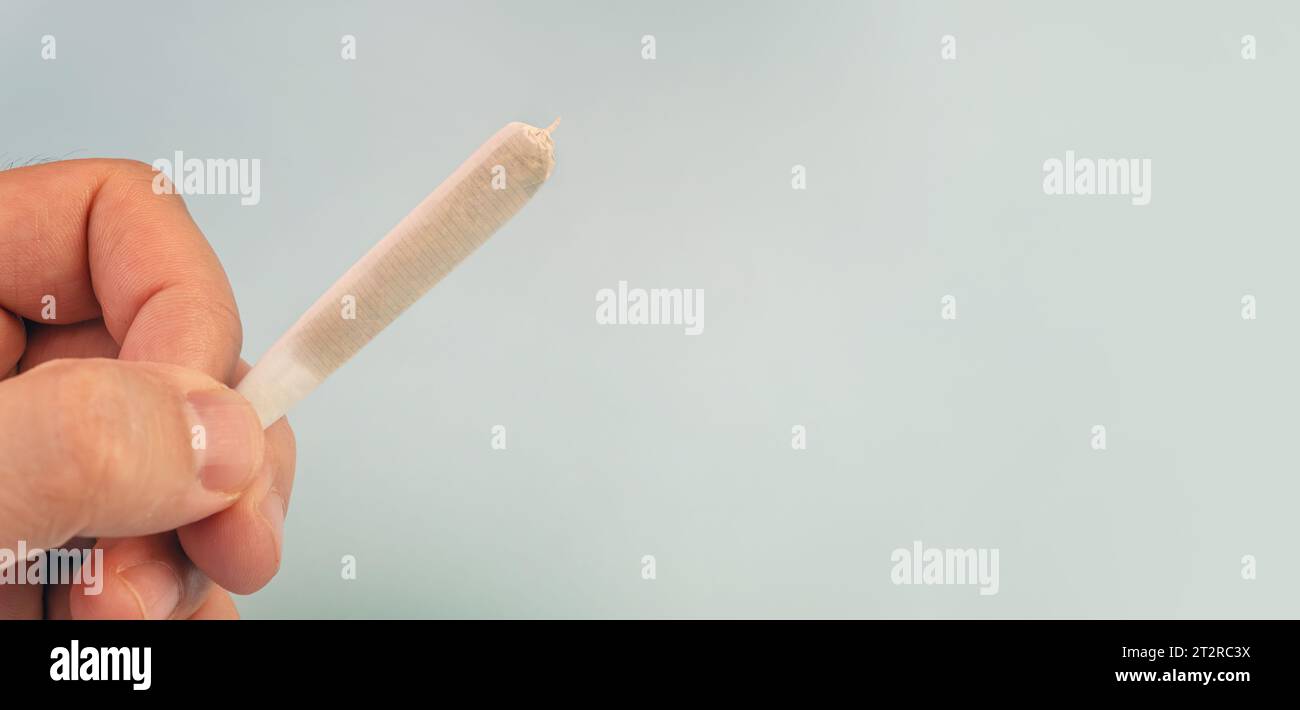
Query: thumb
[107,448]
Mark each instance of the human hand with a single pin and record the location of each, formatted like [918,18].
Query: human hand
[119,334]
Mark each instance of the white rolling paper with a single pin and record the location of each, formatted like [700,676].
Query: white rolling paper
[483,194]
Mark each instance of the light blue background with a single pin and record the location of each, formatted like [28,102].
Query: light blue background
[821,308]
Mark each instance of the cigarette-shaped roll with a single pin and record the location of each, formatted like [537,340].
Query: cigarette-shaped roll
[483,193]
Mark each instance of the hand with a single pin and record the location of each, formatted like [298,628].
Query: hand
[118,335]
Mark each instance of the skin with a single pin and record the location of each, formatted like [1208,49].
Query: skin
[93,435]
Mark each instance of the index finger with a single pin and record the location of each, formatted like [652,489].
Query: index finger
[82,239]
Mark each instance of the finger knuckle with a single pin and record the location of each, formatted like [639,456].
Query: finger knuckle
[133,167]
[138,180]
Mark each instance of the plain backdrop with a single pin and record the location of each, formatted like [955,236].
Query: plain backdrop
[822,306]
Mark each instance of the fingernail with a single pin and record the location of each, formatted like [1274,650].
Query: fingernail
[227,436]
[272,508]
[155,586]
